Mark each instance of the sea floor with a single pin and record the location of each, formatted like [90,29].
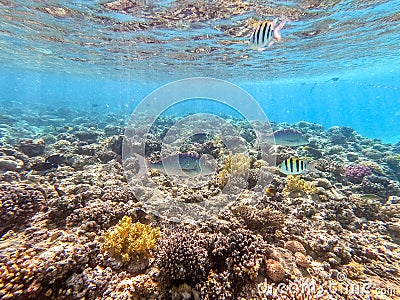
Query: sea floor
[332,233]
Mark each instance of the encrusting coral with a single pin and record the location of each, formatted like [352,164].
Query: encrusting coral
[128,240]
[296,184]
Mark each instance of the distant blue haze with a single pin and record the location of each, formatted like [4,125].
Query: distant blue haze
[369,103]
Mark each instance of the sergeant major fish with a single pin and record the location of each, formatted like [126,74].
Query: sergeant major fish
[294,166]
[181,164]
[266,34]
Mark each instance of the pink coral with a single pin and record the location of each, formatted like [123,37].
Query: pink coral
[355,174]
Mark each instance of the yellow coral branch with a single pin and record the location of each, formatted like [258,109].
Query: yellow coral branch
[128,240]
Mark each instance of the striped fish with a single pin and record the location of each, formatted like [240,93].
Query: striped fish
[294,166]
[266,34]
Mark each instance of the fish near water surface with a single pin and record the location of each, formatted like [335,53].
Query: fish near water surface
[180,164]
[284,137]
[266,34]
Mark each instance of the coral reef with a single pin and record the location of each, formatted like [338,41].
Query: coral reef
[295,246]
[355,174]
[183,256]
[262,221]
[128,240]
[126,286]
[32,148]
[379,185]
[72,227]
[217,265]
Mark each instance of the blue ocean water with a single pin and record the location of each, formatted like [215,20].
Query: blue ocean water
[336,65]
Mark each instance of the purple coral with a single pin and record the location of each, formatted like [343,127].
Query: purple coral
[355,174]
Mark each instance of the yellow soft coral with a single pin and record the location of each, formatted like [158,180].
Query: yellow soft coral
[128,240]
[236,164]
[296,184]
[222,177]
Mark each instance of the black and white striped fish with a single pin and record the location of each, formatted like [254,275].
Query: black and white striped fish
[266,34]
[294,166]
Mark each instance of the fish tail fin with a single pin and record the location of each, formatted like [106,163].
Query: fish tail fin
[143,165]
[259,137]
[311,166]
[278,28]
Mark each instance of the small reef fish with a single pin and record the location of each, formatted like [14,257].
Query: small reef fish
[294,166]
[266,34]
[365,197]
[181,164]
[270,191]
[369,196]
[284,137]
[393,200]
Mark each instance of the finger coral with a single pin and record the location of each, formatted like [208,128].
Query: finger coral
[183,257]
[217,265]
[128,240]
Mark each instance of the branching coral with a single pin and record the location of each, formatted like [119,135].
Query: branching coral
[182,256]
[218,265]
[296,184]
[128,240]
[237,164]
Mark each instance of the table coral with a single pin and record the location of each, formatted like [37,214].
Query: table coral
[128,240]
